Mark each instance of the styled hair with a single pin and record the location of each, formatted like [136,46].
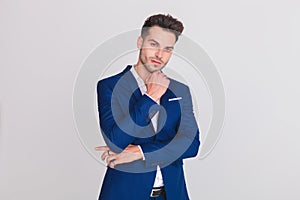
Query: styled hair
[166,22]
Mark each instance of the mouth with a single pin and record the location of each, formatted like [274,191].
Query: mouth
[155,62]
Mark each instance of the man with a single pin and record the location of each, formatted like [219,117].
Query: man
[147,121]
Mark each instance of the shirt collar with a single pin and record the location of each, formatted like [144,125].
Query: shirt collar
[139,80]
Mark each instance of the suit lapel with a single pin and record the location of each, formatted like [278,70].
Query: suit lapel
[130,84]
[163,112]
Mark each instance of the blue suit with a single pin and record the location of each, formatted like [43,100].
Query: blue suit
[125,118]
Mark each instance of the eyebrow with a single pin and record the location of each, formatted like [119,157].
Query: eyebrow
[168,47]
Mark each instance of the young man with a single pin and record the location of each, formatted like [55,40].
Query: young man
[147,121]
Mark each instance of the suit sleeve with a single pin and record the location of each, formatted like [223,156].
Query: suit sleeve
[184,145]
[120,128]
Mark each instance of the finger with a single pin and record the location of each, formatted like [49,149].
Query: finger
[102,148]
[104,155]
[107,154]
[110,158]
[164,76]
[111,153]
[112,164]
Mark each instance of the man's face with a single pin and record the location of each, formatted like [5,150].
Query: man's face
[156,48]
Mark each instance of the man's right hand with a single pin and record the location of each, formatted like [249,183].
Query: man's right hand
[157,84]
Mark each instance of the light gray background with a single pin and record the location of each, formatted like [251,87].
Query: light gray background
[253,43]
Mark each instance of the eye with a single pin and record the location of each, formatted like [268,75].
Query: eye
[152,44]
[169,50]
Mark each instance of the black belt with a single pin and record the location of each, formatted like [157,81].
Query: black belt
[156,192]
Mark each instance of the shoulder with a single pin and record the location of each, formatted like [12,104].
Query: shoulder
[111,81]
[178,86]
[181,91]
[107,83]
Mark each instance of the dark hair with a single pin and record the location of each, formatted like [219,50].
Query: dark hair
[164,21]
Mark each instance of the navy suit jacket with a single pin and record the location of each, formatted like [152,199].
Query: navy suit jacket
[125,118]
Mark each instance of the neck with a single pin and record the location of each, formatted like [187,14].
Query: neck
[141,71]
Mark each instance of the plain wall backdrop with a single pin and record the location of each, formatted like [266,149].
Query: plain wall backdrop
[254,44]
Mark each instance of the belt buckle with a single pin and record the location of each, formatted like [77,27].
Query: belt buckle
[155,190]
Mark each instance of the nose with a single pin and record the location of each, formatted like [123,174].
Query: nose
[159,53]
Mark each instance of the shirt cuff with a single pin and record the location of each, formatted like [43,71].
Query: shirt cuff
[141,151]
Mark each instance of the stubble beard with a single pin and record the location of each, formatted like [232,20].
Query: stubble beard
[151,67]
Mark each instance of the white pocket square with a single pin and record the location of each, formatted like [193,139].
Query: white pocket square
[175,99]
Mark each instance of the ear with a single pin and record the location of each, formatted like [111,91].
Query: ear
[140,42]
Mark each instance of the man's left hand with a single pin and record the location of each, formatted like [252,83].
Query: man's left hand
[129,154]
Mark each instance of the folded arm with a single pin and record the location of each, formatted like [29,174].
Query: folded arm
[118,127]
[185,144]
[158,152]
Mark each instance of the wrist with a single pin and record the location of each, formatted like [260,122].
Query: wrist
[136,151]
[153,96]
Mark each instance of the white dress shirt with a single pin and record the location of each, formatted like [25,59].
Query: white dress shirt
[158,182]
